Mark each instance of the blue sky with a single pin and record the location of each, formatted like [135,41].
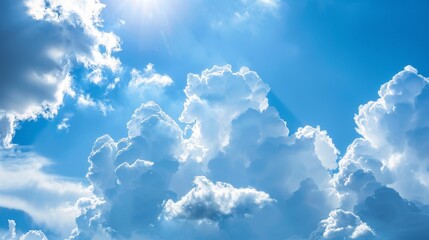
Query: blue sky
[246,119]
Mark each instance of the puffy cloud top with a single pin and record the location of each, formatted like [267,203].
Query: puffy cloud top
[394,129]
[148,78]
[343,225]
[214,99]
[215,201]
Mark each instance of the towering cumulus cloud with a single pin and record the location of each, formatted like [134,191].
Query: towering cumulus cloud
[214,201]
[245,168]
[42,42]
[386,168]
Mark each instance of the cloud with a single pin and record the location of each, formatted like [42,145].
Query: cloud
[113,85]
[7,129]
[62,34]
[47,198]
[130,189]
[30,235]
[12,230]
[149,78]
[388,162]
[95,76]
[260,153]
[343,225]
[215,201]
[393,217]
[393,145]
[137,179]
[63,125]
[94,47]
[324,147]
[214,99]
[85,101]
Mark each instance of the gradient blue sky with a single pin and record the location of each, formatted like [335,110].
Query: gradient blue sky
[321,59]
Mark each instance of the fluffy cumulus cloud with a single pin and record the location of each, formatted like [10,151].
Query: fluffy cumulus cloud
[52,202]
[394,130]
[343,225]
[231,169]
[214,201]
[393,143]
[235,150]
[131,176]
[383,175]
[214,99]
[56,35]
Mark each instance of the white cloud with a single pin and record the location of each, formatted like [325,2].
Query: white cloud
[105,107]
[101,170]
[7,129]
[85,15]
[214,99]
[148,78]
[391,152]
[132,190]
[215,201]
[34,235]
[250,145]
[12,230]
[47,198]
[86,101]
[113,85]
[325,148]
[343,225]
[262,154]
[394,129]
[30,235]
[64,124]
[62,34]
[96,76]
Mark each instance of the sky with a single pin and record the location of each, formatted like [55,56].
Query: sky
[193,119]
